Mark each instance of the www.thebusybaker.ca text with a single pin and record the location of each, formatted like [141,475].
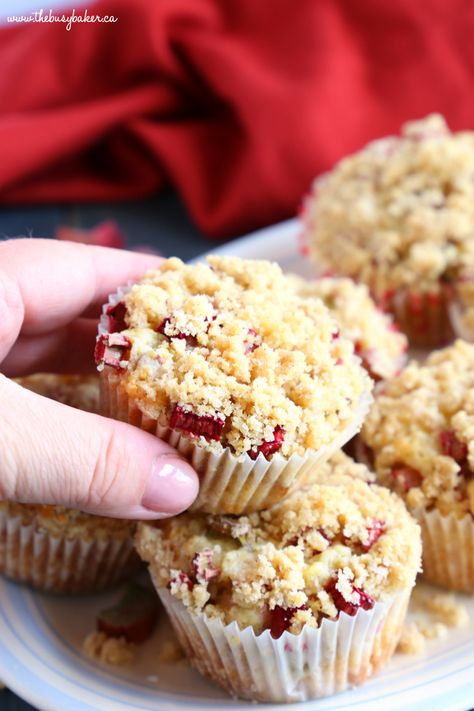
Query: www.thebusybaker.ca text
[49,16]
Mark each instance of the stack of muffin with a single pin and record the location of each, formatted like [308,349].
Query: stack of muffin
[290,576]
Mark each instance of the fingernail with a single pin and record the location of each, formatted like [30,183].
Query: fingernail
[172,486]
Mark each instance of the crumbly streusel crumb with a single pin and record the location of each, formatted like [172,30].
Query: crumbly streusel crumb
[377,341]
[420,432]
[442,606]
[412,640]
[400,212]
[337,545]
[110,650]
[228,353]
[431,629]
[447,610]
[440,611]
[170,652]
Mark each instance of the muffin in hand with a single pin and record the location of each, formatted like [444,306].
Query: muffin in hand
[419,438]
[398,216]
[229,365]
[297,602]
[58,549]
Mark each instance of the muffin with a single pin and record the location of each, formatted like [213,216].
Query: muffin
[59,549]
[419,437]
[293,603]
[399,217]
[377,339]
[229,365]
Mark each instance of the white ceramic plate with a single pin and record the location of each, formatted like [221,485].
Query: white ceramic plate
[41,636]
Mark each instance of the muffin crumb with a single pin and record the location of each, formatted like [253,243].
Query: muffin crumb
[412,640]
[115,651]
[170,652]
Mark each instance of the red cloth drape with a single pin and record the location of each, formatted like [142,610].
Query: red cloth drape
[237,103]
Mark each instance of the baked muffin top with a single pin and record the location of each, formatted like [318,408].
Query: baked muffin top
[400,212]
[82,392]
[420,432]
[228,353]
[376,338]
[337,545]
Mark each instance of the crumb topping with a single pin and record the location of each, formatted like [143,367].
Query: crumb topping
[436,613]
[170,652]
[400,212]
[115,651]
[309,557]
[376,338]
[229,354]
[420,432]
[81,392]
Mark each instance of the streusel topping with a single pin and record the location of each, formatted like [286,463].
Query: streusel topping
[228,353]
[81,392]
[400,212]
[420,432]
[376,338]
[338,545]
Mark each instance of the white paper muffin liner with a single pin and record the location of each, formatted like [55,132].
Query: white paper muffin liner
[423,317]
[448,543]
[59,564]
[457,313]
[448,550]
[316,663]
[229,484]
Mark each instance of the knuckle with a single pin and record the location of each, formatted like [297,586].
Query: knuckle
[110,482]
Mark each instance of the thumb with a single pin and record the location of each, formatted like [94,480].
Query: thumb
[53,454]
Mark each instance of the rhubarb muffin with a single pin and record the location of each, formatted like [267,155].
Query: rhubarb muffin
[297,602]
[377,339]
[226,362]
[399,217]
[60,549]
[419,438]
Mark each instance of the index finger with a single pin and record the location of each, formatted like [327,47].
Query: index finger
[45,284]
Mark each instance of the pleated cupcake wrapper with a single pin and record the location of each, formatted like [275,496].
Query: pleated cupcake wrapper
[229,484]
[423,317]
[448,543]
[316,663]
[62,565]
[448,550]
[457,317]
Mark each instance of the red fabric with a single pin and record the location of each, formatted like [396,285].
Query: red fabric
[238,104]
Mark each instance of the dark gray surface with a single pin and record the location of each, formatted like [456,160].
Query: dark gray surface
[160,222]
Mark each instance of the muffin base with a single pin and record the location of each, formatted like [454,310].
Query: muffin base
[229,484]
[314,664]
[61,565]
[448,550]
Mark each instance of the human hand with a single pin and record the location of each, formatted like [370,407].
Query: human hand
[51,295]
